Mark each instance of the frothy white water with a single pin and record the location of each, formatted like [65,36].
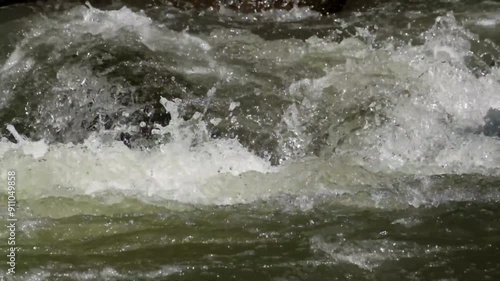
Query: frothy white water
[425,97]
[433,128]
[427,106]
[177,170]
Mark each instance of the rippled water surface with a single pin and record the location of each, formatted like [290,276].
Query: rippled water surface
[152,143]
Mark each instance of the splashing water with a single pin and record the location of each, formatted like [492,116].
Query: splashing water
[282,145]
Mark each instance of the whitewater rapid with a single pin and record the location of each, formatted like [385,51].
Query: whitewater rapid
[421,105]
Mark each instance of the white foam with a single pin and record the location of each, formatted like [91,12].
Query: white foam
[177,170]
[36,149]
[432,97]
[428,130]
[108,23]
[174,171]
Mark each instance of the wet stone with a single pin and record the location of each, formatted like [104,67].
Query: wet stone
[492,123]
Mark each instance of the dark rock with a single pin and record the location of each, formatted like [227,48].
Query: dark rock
[492,123]
[125,138]
[147,119]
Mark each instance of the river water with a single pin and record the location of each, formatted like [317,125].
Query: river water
[152,143]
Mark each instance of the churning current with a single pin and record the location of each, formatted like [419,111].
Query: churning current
[151,142]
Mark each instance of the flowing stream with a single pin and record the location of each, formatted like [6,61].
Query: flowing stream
[151,143]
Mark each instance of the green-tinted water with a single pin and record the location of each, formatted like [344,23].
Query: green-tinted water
[298,147]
